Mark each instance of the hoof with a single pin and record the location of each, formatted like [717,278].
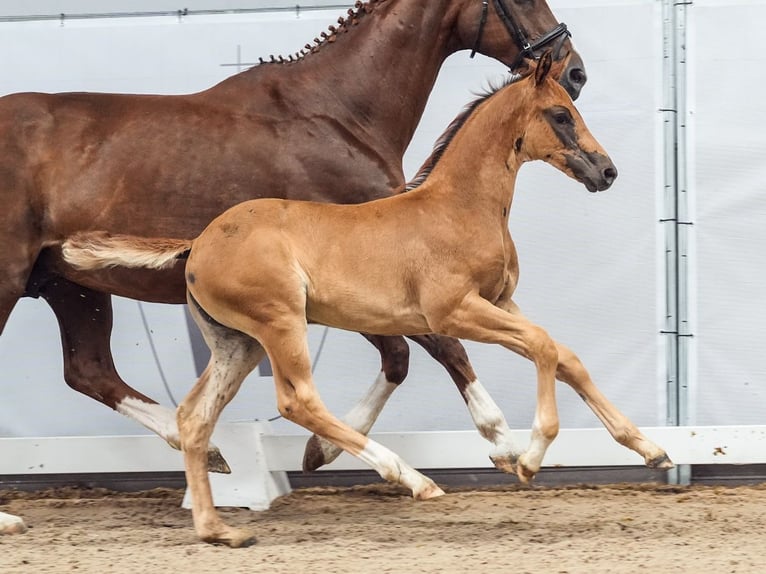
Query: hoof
[10,524]
[216,462]
[233,539]
[524,473]
[661,462]
[505,463]
[313,455]
[430,491]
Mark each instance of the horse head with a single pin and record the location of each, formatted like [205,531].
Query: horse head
[514,30]
[557,133]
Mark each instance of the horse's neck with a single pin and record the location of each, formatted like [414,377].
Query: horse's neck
[477,172]
[376,74]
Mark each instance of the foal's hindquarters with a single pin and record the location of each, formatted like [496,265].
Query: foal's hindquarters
[260,323]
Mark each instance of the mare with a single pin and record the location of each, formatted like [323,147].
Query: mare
[330,124]
[437,259]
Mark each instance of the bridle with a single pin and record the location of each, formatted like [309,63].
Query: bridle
[526,48]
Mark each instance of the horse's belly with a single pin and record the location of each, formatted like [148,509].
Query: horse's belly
[353,315]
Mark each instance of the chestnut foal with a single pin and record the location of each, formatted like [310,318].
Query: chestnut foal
[438,259]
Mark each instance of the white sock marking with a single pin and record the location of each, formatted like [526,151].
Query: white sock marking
[490,420]
[10,524]
[156,418]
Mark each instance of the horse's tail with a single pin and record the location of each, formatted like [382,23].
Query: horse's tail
[99,250]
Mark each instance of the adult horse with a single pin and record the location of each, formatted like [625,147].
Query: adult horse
[343,111]
[438,259]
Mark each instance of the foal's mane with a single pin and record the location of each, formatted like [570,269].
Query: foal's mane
[359,10]
[448,135]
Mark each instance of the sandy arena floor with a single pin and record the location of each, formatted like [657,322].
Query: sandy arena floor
[616,529]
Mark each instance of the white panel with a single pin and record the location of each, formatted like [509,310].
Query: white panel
[729,151]
[587,261]
[446,449]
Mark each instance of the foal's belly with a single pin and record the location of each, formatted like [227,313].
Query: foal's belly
[352,315]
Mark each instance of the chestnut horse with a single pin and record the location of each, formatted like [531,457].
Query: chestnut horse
[438,259]
[330,125]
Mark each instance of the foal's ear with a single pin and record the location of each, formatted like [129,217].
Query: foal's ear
[543,67]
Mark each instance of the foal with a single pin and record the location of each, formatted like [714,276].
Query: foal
[438,259]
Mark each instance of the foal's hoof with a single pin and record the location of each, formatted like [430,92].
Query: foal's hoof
[661,462]
[505,463]
[313,455]
[525,473]
[234,538]
[216,462]
[10,524]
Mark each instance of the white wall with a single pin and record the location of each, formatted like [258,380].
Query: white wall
[589,263]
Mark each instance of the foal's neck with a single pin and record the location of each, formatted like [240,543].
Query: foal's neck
[477,172]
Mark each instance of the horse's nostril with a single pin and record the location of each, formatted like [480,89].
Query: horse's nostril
[610,174]
[577,76]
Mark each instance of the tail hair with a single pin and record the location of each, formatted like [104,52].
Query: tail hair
[98,250]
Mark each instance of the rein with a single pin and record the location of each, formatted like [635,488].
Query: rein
[526,48]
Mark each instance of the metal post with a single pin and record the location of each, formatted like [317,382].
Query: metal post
[676,221]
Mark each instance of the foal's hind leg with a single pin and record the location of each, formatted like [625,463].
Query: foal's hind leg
[394,358]
[299,401]
[85,321]
[450,353]
[571,371]
[233,356]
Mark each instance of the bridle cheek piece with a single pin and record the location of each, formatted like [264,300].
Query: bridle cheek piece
[527,49]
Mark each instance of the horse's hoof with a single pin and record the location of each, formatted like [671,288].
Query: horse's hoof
[313,455]
[216,462]
[234,538]
[524,473]
[11,524]
[505,463]
[430,491]
[661,462]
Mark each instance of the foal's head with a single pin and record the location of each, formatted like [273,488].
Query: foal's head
[557,134]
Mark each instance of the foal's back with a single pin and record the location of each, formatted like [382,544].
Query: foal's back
[349,266]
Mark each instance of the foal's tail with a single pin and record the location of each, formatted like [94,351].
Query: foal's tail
[98,250]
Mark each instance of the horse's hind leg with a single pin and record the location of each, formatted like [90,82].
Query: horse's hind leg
[233,356]
[571,371]
[450,353]
[487,416]
[85,321]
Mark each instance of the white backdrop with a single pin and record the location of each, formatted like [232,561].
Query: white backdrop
[590,264]
[730,191]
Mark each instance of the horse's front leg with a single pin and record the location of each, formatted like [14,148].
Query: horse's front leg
[571,371]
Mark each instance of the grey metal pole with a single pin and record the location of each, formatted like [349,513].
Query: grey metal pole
[676,221]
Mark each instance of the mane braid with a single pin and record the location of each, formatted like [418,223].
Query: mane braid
[448,135]
[345,24]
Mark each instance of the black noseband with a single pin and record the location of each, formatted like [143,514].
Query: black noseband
[526,48]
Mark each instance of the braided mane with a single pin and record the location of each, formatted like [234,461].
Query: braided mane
[344,25]
[448,135]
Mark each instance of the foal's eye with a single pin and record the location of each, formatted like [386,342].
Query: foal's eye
[562,118]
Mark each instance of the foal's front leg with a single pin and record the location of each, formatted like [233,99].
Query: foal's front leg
[572,372]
